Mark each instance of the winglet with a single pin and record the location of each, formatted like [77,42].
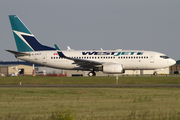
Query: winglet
[60,53]
[57,48]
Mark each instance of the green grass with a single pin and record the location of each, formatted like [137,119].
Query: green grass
[90,103]
[29,80]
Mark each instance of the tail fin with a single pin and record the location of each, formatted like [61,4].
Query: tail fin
[25,40]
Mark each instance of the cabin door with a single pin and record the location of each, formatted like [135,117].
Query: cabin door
[44,58]
[151,58]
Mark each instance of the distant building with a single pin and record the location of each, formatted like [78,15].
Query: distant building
[8,70]
[48,70]
[175,69]
[25,68]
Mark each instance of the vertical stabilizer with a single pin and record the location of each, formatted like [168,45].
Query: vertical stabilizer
[25,40]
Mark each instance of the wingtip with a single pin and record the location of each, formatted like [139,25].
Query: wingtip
[57,48]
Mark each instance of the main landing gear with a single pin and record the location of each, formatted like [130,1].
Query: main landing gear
[155,73]
[92,73]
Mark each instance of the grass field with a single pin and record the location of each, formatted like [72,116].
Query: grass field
[37,103]
[90,103]
[29,80]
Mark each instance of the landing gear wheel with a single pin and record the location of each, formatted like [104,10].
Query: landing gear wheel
[92,73]
[155,73]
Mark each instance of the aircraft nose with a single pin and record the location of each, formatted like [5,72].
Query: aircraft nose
[172,62]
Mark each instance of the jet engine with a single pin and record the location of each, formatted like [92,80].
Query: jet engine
[113,68]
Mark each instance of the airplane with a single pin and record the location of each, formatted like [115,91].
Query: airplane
[108,61]
[16,71]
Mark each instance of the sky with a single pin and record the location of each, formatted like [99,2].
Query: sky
[93,24]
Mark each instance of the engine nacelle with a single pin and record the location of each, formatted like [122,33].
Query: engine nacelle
[113,68]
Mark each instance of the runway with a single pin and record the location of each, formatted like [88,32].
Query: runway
[99,85]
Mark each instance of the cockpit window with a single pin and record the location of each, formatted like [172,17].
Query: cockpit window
[164,57]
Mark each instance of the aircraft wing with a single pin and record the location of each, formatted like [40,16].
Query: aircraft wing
[85,63]
[80,62]
[18,53]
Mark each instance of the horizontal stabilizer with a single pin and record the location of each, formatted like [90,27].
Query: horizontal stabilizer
[18,53]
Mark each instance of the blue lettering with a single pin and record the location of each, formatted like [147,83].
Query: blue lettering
[105,53]
[98,53]
[112,53]
[90,53]
[139,53]
[85,53]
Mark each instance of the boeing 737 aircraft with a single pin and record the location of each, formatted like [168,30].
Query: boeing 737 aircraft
[107,61]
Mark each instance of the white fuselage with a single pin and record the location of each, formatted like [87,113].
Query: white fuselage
[130,59]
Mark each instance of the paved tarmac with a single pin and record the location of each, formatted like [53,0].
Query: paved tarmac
[100,85]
